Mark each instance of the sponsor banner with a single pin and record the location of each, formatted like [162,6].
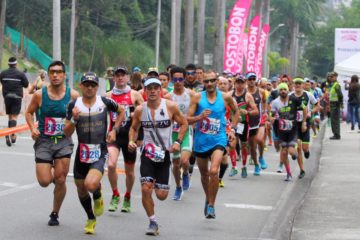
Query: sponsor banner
[347,43]
[260,52]
[234,34]
[242,49]
[254,31]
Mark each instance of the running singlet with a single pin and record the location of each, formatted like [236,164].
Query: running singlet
[91,128]
[52,114]
[307,100]
[126,102]
[152,145]
[210,132]
[241,104]
[183,101]
[286,112]
[254,121]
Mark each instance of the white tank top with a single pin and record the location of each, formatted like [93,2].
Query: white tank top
[183,101]
[162,123]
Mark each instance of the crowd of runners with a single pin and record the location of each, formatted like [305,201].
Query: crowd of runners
[173,120]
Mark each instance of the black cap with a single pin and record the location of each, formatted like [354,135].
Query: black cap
[121,68]
[90,77]
[12,61]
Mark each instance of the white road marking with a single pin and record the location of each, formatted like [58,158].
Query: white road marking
[18,189]
[263,172]
[19,154]
[248,206]
[8,184]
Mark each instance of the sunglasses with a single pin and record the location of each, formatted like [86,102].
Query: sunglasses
[298,83]
[175,80]
[52,72]
[251,79]
[89,84]
[210,80]
[190,73]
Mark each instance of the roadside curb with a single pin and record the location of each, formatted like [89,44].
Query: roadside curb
[280,222]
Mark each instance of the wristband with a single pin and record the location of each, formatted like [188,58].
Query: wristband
[178,141]
[131,142]
[117,129]
[73,121]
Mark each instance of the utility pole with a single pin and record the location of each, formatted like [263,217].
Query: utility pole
[218,56]
[201,31]
[72,44]
[189,32]
[295,49]
[157,48]
[178,31]
[56,30]
[2,27]
[173,33]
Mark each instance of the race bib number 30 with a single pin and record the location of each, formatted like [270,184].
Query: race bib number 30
[89,153]
[154,153]
[210,126]
[54,126]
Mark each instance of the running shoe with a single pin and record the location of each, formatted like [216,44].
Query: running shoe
[178,194]
[90,226]
[8,142]
[53,219]
[280,168]
[126,207]
[263,163]
[302,174]
[270,143]
[257,170]
[221,183]
[186,181]
[243,172]
[98,206]
[206,207]
[233,172]
[153,229]
[288,178]
[265,149]
[314,136]
[210,212]
[114,203]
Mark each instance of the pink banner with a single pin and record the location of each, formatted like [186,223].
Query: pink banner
[260,54]
[242,50]
[234,34]
[253,43]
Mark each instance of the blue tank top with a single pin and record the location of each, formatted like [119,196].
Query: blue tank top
[52,114]
[210,132]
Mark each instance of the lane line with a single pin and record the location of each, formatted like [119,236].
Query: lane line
[19,154]
[18,189]
[249,206]
[8,184]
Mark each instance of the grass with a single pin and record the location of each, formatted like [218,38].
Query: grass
[21,65]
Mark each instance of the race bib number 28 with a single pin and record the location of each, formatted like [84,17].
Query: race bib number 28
[89,153]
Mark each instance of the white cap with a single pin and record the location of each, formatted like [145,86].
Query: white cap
[151,81]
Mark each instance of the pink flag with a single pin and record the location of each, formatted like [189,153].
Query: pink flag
[253,42]
[235,31]
[262,43]
[242,50]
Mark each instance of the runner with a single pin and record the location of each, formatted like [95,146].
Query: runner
[308,100]
[208,109]
[284,109]
[156,117]
[128,99]
[88,114]
[257,124]
[52,149]
[181,96]
[247,107]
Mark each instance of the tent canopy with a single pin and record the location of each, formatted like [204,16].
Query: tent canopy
[349,66]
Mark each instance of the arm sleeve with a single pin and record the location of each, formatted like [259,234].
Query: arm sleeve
[110,104]
[339,93]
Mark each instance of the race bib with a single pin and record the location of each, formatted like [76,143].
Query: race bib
[154,153]
[176,127]
[114,115]
[285,125]
[89,153]
[210,126]
[54,126]
[299,116]
[240,128]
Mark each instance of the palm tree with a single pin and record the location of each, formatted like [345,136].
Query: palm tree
[277,63]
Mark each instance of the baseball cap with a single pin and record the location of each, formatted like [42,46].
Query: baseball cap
[274,79]
[240,78]
[110,69]
[152,81]
[283,86]
[298,80]
[136,69]
[90,77]
[250,74]
[153,70]
[121,68]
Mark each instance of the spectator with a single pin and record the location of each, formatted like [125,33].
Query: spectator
[38,83]
[354,100]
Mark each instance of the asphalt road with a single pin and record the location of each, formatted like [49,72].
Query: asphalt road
[260,207]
